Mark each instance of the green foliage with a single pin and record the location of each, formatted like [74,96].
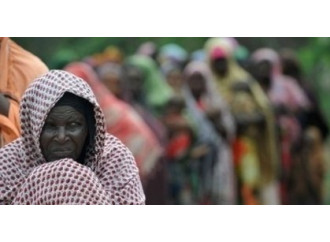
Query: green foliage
[55,50]
[315,59]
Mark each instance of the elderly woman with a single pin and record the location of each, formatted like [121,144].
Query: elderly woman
[64,155]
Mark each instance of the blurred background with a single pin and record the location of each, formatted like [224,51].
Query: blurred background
[212,120]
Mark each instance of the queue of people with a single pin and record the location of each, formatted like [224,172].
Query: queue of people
[215,126]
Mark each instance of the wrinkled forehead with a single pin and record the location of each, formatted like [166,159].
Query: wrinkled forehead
[65,112]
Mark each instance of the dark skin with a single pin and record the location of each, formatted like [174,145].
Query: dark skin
[112,83]
[262,72]
[196,83]
[220,66]
[133,81]
[64,134]
[4,105]
[174,79]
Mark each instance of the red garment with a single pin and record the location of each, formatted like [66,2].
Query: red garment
[178,145]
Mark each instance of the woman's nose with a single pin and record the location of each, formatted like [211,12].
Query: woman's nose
[61,135]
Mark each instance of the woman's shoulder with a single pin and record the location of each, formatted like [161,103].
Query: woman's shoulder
[113,143]
[116,152]
[117,161]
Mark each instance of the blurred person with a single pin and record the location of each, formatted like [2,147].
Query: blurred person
[134,93]
[64,155]
[289,101]
[111,54]
[18,68]
[305,183]
[198,79]
[125,123]
[209,159]
[183,181]
[174,54]
[148,49]
[315,131]
[198,55]
[151,91]
[313,116]
[173,75]
[172,58]
[109,74]
[154,89]
[255,148]
[218,127]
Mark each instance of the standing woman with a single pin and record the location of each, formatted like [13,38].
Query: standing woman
[64,155]
[255,149]
[289,102]
[217,125]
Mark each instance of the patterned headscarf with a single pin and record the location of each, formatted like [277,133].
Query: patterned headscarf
[110,175]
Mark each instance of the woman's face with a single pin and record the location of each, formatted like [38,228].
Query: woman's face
[262,72]
[197,84]
[220,66]
[174,79]
[112,82]
[64,134]
[133,80]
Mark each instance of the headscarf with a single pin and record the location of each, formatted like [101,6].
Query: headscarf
[216,167]
[198,55]
[18,68]
[267,139]
[148,49]
[155,87]
[25,176]
[284,90]
[122,121]
[172,53]
[212,98]
[110,54]
[234,74]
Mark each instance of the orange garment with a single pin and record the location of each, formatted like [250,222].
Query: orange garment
[18,68]
[9,126]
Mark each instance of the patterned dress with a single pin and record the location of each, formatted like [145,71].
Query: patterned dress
[110,175]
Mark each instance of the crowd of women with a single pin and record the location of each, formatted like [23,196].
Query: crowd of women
[215,126]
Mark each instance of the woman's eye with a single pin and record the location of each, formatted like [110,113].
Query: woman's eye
[74,124]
